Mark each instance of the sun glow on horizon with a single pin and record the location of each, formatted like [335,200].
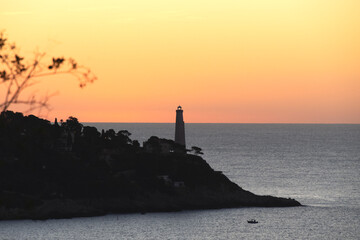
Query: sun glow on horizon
[260,61]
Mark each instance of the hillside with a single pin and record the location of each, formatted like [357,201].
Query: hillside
[67,170]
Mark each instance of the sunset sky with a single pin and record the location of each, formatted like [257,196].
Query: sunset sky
[240,61]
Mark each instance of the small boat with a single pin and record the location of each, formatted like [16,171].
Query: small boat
[252,221]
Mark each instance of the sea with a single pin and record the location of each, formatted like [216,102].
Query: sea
[317,164]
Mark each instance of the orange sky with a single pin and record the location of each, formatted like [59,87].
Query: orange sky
[261,61]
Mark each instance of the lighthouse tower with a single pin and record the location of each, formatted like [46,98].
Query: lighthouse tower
[179,127]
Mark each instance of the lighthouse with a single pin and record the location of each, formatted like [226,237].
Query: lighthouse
[179,127]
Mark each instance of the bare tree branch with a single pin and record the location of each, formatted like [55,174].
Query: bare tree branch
[16,75]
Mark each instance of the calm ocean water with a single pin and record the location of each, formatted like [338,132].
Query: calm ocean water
[319,165]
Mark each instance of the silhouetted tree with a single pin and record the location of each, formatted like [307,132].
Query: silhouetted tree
[136,144]
[109,134]
[91,132]
[72,124]
[125,133]
[196,150]
[123,137]
[154,142]
[16,75]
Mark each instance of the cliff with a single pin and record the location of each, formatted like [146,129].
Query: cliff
[68,170]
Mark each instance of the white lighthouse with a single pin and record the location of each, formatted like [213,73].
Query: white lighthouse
[179,127]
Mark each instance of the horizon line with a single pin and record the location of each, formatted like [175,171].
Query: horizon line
[237,122]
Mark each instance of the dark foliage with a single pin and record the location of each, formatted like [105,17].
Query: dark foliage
[73,161]
[42,162]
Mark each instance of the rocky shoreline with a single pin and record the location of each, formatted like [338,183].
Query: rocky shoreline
[70,208]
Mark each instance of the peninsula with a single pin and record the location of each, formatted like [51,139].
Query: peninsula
[65,169]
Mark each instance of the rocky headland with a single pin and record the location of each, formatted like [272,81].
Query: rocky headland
[65,170]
